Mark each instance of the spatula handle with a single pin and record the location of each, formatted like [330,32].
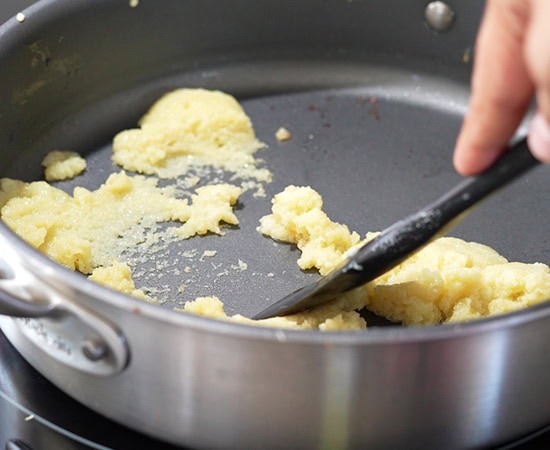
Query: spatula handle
[410,234]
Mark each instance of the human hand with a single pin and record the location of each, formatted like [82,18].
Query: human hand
[512,64]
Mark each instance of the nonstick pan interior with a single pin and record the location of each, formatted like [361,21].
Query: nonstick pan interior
[372,97]
[375,142]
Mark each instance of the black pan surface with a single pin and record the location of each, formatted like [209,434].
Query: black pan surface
[375,142]
[373,108]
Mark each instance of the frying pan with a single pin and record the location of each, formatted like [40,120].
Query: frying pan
[374,98]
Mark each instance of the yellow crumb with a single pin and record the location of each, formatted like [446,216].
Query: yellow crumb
[61,165]
[282,134]
[118,276]
[211,205]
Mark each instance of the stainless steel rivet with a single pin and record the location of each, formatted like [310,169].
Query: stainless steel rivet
[439,16]
[94,349]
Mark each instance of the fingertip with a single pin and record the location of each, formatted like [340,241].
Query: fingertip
[469,161]
[539,137]
[461,165]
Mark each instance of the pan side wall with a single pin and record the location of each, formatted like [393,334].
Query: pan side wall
[206,390]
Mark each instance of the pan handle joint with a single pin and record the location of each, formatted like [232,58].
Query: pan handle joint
[54,321]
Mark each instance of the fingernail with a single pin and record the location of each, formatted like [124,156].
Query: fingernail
[539,138]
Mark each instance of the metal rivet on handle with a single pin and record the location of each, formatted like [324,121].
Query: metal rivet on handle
[439,16]
[94,349]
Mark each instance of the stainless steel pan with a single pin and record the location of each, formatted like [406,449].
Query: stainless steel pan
[374,98]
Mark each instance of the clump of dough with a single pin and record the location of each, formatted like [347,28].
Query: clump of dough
[338,315]
[211,205]
[90,228]
[449,280]
[186,127]
[62,165]
[42,216]
[297,217]
[118,276]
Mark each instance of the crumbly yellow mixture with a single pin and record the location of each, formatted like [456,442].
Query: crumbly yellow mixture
[188,127]
[62,165]
[297,217]
[90,228]
[211,206]
[340,314]
[449,280]
[118,276]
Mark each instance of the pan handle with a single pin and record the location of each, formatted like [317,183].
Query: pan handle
[58,326]
[19,294]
